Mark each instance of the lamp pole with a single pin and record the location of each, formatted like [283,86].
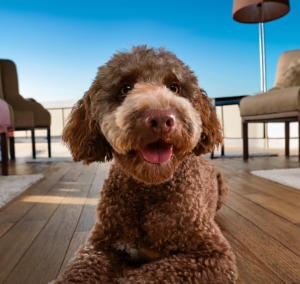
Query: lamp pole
[260,11]
[262,53]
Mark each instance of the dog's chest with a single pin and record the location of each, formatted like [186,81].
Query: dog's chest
[158,217]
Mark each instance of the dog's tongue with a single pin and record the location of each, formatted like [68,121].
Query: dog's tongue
[157,152]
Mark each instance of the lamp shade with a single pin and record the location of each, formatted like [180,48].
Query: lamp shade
[259,11]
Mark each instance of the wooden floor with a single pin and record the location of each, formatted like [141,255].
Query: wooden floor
[40,231]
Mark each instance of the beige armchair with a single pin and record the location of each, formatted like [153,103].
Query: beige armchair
[279,104]
[28,114]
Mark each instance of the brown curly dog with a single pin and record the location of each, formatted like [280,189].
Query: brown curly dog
[155,218]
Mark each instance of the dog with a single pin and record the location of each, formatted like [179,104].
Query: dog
[155,216]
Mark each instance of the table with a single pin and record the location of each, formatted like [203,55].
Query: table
[225,101]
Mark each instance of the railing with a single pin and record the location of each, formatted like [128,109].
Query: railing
[229,116]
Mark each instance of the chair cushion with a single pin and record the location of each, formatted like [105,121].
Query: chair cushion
[291,76]
[23,118]
[274,101]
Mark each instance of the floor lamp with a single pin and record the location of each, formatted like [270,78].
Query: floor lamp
[260,11]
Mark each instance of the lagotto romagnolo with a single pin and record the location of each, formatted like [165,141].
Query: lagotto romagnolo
[155,217]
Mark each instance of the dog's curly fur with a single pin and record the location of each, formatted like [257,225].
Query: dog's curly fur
[155,219]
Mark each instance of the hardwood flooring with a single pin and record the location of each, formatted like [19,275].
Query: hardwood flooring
[41,230]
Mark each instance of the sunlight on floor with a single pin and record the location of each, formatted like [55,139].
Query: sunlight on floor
[60,200]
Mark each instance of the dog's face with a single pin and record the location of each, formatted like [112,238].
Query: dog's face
[146,109]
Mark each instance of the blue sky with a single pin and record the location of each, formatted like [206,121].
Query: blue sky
[58,44]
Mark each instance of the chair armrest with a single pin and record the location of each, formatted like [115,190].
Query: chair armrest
[42,116]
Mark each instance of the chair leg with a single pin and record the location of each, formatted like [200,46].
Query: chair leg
[287,138]
[33,143]
[49,141]
[245,141]
[4,154]
[223,149]
[12,148]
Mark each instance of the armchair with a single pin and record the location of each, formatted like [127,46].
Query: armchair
[279,104]
[28,114]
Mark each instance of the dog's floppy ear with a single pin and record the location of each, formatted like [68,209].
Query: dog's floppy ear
[83,135]
[211,135]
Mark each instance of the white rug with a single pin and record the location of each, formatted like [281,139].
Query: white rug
[12,186]
[289,177]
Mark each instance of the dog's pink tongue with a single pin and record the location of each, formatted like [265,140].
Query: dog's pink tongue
[158,152]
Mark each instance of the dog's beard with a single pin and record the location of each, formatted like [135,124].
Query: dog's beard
[148,172]
[155,162]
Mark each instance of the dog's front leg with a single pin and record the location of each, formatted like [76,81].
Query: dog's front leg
[91,267]
[212,262]
[190,268]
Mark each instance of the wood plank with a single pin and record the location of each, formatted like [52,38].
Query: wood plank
[88,216]
[279,259]
[35,218]
[281,202]
[283,209]
[285,193]
[4,228]
[61,216]
[46,205]
[19,208]
[43,259]
[21,237]
[20,167]
[250,268]
[240,166]
[281,230]
[79,238]
[24,193]
[280,162]
[271,163]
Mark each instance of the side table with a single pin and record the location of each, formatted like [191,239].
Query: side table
[225,101]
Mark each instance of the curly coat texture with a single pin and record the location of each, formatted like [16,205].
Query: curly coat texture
[155,217]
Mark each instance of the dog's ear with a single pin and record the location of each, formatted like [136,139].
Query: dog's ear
[211,135]
[83,135]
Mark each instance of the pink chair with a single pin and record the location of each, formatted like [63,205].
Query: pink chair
[28,114]
[5,124]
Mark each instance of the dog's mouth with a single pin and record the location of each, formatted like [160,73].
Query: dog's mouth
[157,152]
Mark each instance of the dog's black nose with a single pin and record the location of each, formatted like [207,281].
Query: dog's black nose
[160,121]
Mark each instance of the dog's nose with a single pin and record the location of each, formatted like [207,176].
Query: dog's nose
[160,121]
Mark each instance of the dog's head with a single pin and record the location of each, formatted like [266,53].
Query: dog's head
[146,110]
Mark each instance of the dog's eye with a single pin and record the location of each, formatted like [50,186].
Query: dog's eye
[124,90]
[175,88]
